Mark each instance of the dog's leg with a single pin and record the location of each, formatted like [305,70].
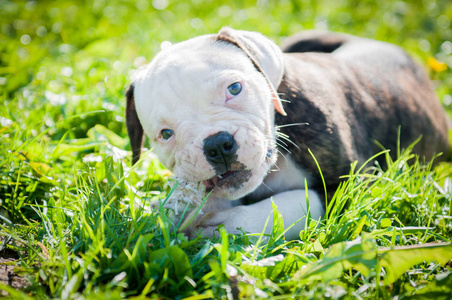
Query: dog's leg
[252,218]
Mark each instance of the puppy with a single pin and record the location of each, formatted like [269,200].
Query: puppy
[233,111]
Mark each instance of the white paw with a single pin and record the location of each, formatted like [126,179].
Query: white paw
[234,219]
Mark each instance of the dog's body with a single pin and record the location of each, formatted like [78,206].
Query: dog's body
[208,105]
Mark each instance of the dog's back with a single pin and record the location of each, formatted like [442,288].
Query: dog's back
[384,90]
[315,41]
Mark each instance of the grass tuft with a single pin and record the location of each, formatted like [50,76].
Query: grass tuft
[76,219]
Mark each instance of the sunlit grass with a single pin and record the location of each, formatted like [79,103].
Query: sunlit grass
[77,215]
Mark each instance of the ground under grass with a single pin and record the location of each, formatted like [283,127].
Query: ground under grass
[75,219]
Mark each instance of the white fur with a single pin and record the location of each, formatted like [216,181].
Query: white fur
[285,176]
[184,89]
[253,218]
[268,54]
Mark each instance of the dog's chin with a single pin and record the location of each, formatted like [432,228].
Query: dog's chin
[233,185]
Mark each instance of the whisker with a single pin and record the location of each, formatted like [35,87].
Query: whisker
[293,124]
[271,169]
[285,158]
[281,141]
[274,167]
[280,99]
[286,137]
[268,187]
[284,148]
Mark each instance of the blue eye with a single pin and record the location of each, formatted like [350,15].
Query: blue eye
[166,133]
[235,88]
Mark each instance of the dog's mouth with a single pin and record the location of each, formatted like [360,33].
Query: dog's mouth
[229,179]
[234,179]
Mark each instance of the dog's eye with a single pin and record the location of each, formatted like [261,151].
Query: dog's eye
[235,88]
[166,133]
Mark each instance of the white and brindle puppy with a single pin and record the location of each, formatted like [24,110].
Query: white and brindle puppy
[208,105]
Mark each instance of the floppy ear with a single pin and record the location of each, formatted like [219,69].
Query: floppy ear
[264,54]
[134,128]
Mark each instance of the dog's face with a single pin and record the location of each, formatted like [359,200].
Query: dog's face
[207,104]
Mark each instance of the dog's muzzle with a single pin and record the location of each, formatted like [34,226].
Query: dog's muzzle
[220,151]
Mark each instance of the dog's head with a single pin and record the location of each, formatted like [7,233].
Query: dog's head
[207,104]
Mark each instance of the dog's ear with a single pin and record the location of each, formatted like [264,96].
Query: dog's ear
[134,128]
[264,54]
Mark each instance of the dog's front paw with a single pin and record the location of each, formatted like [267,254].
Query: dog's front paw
[204,225]
[208,224]
[234,219]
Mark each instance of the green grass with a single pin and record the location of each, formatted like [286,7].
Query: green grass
[77,215]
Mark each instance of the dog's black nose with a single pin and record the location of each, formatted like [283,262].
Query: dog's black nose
[220,150]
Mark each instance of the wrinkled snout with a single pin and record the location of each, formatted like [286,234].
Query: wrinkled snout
[220,151]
